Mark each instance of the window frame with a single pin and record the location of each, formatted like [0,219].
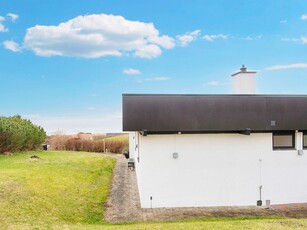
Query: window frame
[284,133]
[304,134]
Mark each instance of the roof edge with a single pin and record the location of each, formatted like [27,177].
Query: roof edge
[242,72]
[215,95]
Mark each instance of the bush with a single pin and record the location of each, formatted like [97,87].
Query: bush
[62,142]
[117,146]
[17,134]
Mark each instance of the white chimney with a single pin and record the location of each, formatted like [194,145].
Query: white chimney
[244,82]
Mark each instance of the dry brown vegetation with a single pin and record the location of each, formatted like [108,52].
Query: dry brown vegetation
[116,144]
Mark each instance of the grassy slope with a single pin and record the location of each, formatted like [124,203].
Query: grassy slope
[66,190]
[124,137]
[59,187]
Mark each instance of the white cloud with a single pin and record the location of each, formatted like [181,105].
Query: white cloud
[303,39]
[290,66]
[97,35]
[286,39]
[2,27]
[11,45]
[188,37]
[148,51]
[164,41]
[157,79]
[283,21]
[213,37]
[12,16]
[304,17]
[291,39]
[249,38]
[131,71]
[213,83]
[154,79]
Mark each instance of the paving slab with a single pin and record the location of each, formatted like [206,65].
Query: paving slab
[123,204]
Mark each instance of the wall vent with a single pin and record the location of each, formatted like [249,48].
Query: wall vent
[300,152]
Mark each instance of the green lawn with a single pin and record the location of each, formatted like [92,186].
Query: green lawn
[67,190]
[60,187]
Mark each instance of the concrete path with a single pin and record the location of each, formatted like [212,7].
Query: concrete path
[123,204]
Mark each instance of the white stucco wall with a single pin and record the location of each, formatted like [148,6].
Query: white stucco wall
[217,170]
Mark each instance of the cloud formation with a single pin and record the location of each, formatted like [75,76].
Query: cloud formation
[290,66]
[303,39]
[157,79]
[304,17]
[12,46]
[13,17]
[213,83]
[213,37]
[154,79]
[188,37]
[2,27]
[97,35]
[131,71]
[252,38]
[148,51]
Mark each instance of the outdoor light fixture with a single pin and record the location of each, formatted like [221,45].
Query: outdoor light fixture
[300,152]
[144,132]
[247,131]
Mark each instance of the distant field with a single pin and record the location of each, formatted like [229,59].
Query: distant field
[124,137]
[67,190]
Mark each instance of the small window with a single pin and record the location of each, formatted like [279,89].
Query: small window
[305,140]
[284,140]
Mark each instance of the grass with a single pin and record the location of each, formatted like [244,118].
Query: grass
[67,190]
[227,224]
[59,187]
[223,223]
[124,137]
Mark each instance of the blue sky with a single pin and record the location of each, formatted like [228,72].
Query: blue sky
[65,64]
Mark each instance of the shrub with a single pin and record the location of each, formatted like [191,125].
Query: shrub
[17,134]
[63,142]
[117,146]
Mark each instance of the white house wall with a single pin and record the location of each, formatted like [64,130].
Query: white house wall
[134,153]
[131,144]
[217,170]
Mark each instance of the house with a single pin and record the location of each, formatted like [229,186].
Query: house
[218,150]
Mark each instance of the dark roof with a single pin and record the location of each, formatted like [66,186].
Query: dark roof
[158,113]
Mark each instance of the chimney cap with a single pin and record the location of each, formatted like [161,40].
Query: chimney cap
[243,69]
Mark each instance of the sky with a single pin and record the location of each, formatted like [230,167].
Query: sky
[65,64]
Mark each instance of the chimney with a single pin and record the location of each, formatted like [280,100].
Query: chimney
[244,81]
